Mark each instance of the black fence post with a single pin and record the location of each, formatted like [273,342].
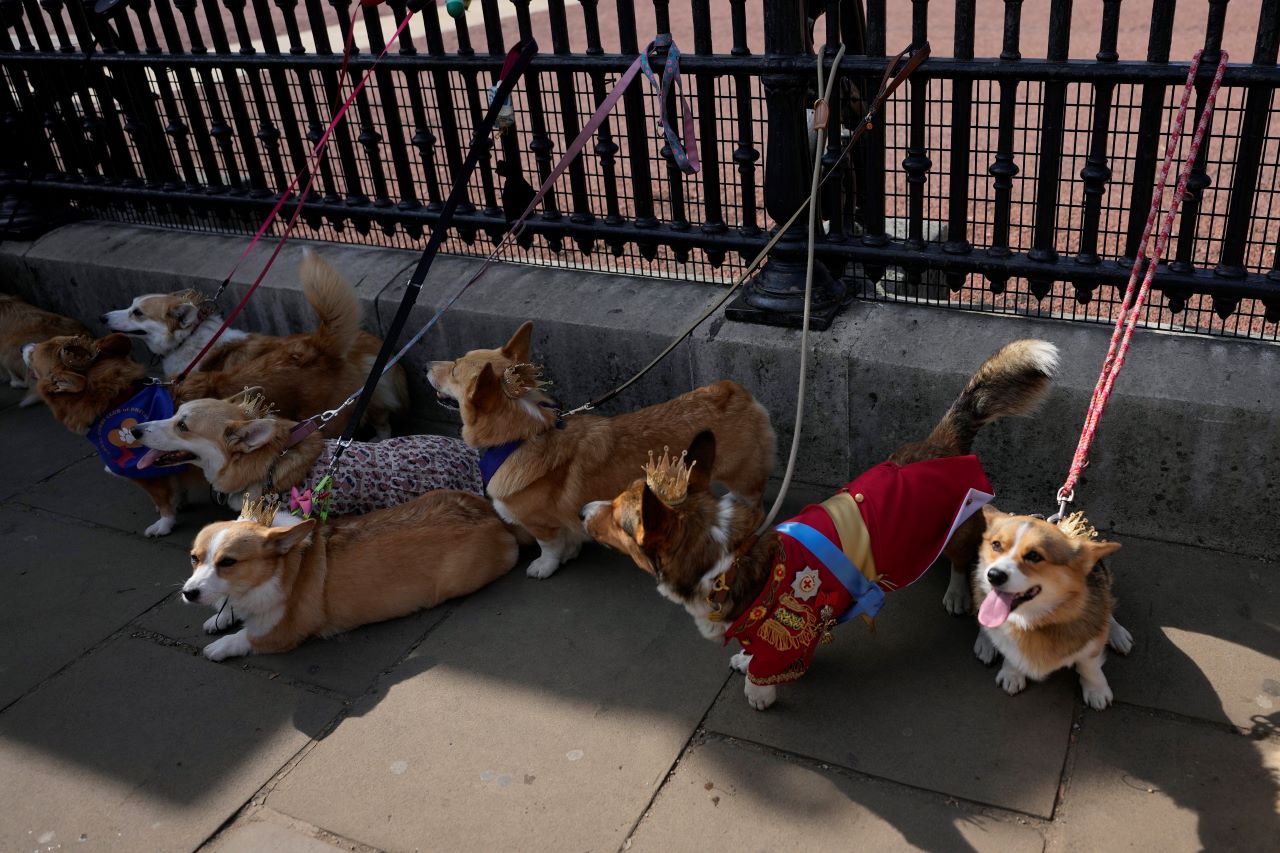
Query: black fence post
[775,296]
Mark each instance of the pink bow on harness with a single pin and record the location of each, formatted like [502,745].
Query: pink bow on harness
[300,501]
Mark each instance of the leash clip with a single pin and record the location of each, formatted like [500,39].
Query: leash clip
[1065,496]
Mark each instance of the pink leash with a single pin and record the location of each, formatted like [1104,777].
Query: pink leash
[1135,297]
[310,171]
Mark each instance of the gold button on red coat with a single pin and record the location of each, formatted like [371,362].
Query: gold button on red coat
[859,497]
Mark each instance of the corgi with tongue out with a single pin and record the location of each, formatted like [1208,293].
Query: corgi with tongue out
[1046,602]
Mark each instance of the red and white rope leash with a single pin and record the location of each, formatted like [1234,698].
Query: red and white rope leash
[1136,296]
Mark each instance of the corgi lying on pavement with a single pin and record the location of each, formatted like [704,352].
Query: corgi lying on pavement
[540,469]
[301,374]
[309,580]
[1046,602]
[241,449]
[781,593]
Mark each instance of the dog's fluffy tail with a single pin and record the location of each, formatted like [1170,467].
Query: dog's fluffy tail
[1011,382]
[334,302]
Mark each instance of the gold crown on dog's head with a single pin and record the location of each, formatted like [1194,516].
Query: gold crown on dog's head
[1077,526]
[253,403]
[262,510]
[195,297]
[519,379]
[668,477]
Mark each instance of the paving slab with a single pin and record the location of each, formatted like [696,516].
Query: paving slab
[346,663]
[1141,782]
[729,796]
[85,491]
[138,749]
[43,445]
[269,835]
[880,703]
[541,715]
[67,586]
[1206,629]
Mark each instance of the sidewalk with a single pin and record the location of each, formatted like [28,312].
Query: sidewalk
[585,713]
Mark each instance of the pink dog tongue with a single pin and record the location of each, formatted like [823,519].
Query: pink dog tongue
[145,460]
[995,609]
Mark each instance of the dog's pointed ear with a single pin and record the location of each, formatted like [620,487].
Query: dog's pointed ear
[78,353]
[185,313]
[654,520]
[285,539]
[486,393]
[1093,552]
[64,382]
[249,435]
[701,459]
[518,348]
[115,345]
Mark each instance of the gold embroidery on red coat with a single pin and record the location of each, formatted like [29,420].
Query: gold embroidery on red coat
[791,673]
[793,625]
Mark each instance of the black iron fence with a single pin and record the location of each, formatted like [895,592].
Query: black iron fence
[1010,184]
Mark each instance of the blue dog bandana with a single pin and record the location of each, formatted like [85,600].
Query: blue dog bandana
[116,447]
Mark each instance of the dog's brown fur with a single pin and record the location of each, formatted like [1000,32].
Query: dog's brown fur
[352,572]
[22,324]
[79,379]
[683,545]
[1069,621]
[544,484]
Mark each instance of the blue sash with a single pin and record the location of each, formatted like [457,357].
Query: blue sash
[493,457]
[152,403]
[868,598]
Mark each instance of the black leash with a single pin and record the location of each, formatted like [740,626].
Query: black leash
[518,60]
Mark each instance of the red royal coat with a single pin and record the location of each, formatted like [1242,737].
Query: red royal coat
[908,513]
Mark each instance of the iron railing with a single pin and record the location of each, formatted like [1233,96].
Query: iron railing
[1010,184]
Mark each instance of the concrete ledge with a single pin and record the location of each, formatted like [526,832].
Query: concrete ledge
[1185,453]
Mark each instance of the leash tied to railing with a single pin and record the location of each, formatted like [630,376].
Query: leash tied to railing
[339,111]
[517,62]
[683,152]
[893,78]
[1136,295]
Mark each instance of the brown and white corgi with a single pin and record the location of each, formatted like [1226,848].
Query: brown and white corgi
[540,469]
[772,591]
[309,580]
[1046,603]
[297,372]
[22,324]
[243,449]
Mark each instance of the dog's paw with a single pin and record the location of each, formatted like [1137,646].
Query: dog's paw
[983,649]
[162,527]
[1120,639]
[958,602]
[16,382]
[220,621]
[740,662]
[1012,681]
[30,400]
[760,696]
[1097,697]
[543,567]
[231,646]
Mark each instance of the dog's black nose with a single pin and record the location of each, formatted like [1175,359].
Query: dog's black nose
[582,513]
[137,432]
[997,576]
[191,594]
[102,318]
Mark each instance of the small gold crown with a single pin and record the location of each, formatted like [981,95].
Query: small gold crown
[668,477]
[1077,526]
[196,298]
[262,510]
[519,379]
[254,403]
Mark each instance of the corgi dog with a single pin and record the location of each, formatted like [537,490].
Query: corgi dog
[83,382]
[22,324]
[780,591]
[540,469]
[301,374]
[1046,602]
[310,580]
[242,449]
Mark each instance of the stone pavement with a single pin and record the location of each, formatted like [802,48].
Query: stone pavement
[585,713]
